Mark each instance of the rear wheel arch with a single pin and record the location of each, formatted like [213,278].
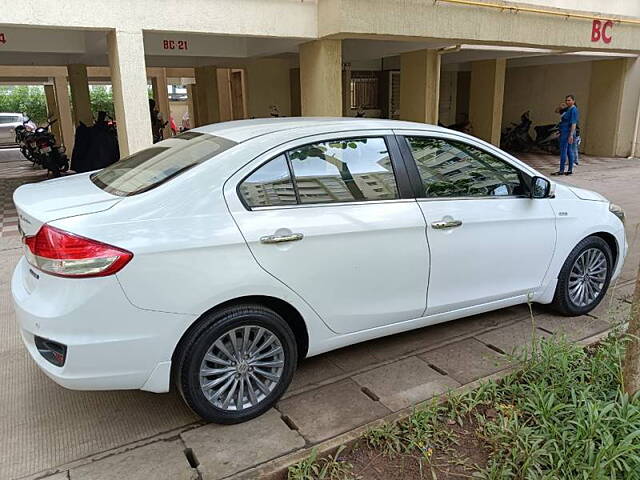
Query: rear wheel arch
[287,311]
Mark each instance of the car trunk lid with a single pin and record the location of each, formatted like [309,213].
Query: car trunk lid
[44,202]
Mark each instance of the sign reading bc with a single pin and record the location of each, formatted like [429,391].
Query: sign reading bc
[175,45]
[601,31]
[3,38]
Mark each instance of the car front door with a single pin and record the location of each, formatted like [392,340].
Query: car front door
[334,219]
[489,240]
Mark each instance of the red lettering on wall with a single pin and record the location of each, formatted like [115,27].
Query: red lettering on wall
[606,37]
[175,45]
[601,31]
[3,38]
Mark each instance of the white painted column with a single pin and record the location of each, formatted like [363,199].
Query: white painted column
[420,86]
[79,83]
[52,112]
[61,88]
[130,98]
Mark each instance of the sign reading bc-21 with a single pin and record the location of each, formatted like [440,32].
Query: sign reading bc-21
[175,45]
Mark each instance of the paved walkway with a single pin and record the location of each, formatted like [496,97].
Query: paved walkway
[46,429]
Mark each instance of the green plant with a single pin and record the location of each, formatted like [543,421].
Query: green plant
[101,100]
[566,418]
[24,99]
[327,468]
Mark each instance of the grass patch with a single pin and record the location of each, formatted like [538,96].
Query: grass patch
[562,415]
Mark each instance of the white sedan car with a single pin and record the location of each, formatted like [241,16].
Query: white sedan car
[219,258]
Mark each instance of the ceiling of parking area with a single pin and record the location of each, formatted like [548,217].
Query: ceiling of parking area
[48,47]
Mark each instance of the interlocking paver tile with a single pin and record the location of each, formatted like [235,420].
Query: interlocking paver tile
[223,450]
[513,338]
[467,360]
[405,383]
[163,460]
[330,410]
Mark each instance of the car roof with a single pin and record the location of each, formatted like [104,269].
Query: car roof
[8,114]
[243,130]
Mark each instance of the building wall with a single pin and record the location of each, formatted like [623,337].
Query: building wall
[441,20]
[541,88]
[630,8]
[268,83]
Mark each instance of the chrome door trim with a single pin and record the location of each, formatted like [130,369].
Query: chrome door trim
[292,237]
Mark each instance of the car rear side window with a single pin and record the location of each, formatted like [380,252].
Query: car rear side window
[269,186]
[345,170]
[455,169]
[153,166]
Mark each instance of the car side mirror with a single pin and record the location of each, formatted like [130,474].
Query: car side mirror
[540,187]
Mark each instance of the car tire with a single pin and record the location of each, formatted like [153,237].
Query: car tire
[256,383]
[592,255]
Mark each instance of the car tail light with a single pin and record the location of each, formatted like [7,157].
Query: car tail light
[64,254]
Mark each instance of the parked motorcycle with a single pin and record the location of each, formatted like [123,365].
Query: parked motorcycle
[517,138]
[25,139]
[548,138]
[46,153]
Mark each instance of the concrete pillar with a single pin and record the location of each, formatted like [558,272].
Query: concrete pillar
[612,107]
[161,96]
[321,78]
[486,98]
[207,95]
[80,97]
[192,105]
[463,87]
[420,86]
[294,91]
[268,84]
[130,97]
[225,106]
[65,118]
[52,112]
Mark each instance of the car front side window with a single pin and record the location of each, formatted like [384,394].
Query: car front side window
[344,170]
[450,168]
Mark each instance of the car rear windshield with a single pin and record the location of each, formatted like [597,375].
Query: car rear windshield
[8,119]
[153,166]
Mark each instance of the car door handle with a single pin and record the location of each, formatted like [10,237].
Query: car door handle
[293,237]
[443,224]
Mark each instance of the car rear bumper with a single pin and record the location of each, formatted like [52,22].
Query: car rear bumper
[110,344]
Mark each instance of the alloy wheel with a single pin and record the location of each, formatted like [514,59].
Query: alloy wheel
[241,368]
[587,277]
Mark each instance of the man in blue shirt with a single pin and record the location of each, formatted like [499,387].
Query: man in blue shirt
[568,125]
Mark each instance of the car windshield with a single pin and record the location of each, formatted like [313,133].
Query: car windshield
[153,166]
[9,119]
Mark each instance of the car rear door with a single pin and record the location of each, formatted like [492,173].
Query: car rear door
[489,241]
[333,217]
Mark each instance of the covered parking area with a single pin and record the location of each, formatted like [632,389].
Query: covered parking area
[420,61]
[416,60]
